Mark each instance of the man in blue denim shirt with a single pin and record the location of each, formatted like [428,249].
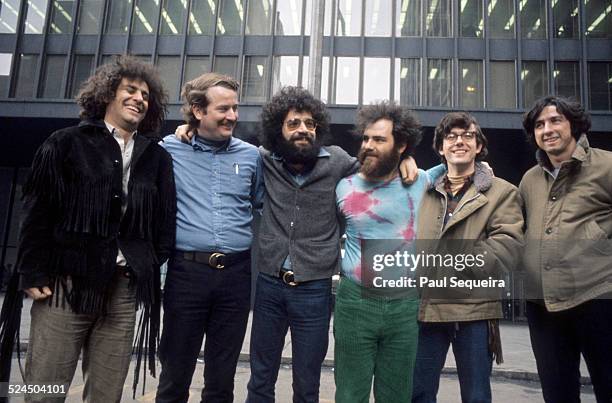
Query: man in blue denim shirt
[219,183]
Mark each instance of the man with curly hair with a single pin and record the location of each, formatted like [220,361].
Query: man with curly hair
[99,219]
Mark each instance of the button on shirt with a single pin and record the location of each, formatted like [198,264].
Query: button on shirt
[127,148]
[217,191]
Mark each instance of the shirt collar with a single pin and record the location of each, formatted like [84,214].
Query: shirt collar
[200,146]
[112,130]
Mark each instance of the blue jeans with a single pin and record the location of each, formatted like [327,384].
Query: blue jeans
[201,300]
[306,310]
[472,356]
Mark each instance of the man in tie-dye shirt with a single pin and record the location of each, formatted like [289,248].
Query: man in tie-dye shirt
[376,335]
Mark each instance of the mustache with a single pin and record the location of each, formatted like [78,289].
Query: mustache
[302,136]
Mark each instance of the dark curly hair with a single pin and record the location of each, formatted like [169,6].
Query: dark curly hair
[406,128]
[461,120]
[579,119]
[99,90]
[274,112]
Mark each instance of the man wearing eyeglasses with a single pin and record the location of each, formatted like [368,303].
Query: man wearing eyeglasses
[481,213]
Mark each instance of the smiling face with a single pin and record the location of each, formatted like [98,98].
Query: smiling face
[298,129]
[130,105]
[218,119]
[460,148]
[553,134]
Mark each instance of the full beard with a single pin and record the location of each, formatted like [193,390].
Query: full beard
[380,166]
[294,154]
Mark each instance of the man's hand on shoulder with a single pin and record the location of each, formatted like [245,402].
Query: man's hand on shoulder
[183,134]
[408,170]
[38,293]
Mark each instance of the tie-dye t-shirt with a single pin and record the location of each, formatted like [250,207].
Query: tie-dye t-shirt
[376,210]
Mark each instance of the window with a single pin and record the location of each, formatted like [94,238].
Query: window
[144,20]
[289,17]
[439,90]
[259,17]
[62,16]
[533,19]
[202,17]
[82,67]
[378,17]
[5,73]
[173,16]
[565,19]
[534,82]
[26,76]
[502,80]
[226,65]
[231,15]
[254,79]
[118,16]
[346,75]
[501,18]
[90,17]
[348,18]
[471,22]
[408,18]
[169,68]
[566,77]
[35,16]
[376,73]
[438,18]
[328,17]
[598,18]
[471,89]
[9,13]
[195,66]
[324,76]
[285,71]
[52,78]
[408,81]
[600,86]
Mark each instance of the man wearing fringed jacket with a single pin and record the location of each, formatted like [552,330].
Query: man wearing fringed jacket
[99,219]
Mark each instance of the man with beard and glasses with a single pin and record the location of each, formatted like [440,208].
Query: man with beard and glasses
[219,184]
[376,334]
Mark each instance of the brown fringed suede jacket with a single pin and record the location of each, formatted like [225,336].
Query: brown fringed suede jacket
[73,225]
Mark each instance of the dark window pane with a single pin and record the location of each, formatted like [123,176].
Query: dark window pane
[62,16]
[169,68]
[173,17]
[471,92]
[202,17]
[534,81]
[195,66]
[598,18]
[81,69]
[9,11]
[144,20]
[226,65]
[52,78]
[502,85]
[118,16]
[471,23]
[231,15]
[567,79]
[90,16]
[26,76]
[35,16]
[5,73]
[408,18]
[259,17]
[565,18]
[439,89]
[254,79]
[533,19]
[408,81]
[600,86]
[438,18]
[501,18]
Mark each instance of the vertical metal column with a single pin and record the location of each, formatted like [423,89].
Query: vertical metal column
[315,52]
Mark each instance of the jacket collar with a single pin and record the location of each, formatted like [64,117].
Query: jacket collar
[482,179]
[580,154]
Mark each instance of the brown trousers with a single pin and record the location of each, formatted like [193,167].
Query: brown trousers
[58,335]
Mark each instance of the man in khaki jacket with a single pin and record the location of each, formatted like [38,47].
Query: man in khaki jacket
[469,208]
[568,215]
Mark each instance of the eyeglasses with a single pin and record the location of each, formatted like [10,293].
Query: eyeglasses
[452,136]
[294,124]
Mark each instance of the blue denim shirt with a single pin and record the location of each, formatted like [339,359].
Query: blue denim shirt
[217,191]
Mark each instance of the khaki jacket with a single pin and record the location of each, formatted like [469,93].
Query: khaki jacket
[489,213]
[568,228]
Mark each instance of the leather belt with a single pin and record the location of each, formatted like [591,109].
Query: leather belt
[288,277]
[216,260]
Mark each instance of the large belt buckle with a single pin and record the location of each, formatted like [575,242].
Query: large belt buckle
[287,276]
[213,260]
